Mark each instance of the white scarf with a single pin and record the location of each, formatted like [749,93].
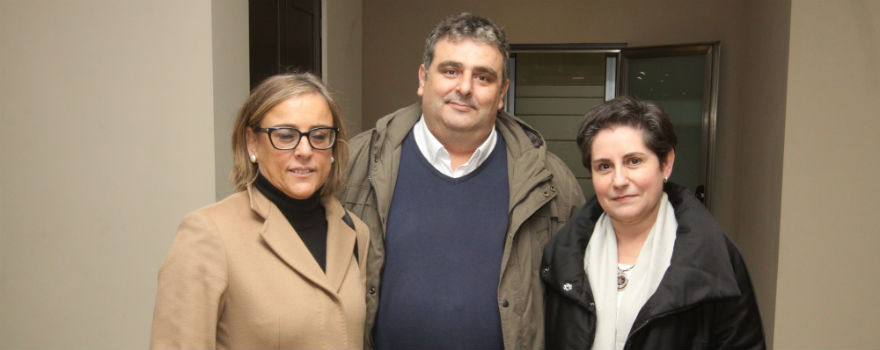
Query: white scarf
[600,263]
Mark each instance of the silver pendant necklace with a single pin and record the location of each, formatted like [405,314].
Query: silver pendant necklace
[622,280]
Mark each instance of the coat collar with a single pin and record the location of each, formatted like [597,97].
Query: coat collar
[700,263]
[394,127]
[526,159]
[283,240]
[525,147]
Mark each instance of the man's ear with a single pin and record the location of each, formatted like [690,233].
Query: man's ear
[423,76]
[503,92]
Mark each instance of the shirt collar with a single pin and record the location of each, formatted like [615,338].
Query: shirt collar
[438,156]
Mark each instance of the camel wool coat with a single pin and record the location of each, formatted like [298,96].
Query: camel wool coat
[238,276]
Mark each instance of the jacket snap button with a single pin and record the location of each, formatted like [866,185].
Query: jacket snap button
[372,290]
[546,269]
[567,287]
[504,303]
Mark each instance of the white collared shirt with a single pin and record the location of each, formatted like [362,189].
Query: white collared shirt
[438,156]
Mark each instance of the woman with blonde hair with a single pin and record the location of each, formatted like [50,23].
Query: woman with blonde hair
[280,263]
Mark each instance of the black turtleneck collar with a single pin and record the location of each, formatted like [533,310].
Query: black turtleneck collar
[307,216]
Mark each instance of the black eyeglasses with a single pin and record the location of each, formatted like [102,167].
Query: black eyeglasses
[286,137]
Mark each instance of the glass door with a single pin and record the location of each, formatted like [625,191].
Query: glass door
[553,85]
[683,80]
[551,88]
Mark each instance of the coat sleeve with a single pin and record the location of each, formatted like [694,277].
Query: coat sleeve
[192,282]
[738,322]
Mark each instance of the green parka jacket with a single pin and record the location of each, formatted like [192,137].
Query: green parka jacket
[543,196]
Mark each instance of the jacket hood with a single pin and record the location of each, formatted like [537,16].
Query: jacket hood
[534,138]
[527,152]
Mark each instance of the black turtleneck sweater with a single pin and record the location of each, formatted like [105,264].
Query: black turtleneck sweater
[307,216]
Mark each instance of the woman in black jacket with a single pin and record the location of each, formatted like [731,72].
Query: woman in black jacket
[643,265]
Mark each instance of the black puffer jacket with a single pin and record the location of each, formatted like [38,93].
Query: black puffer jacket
[704,301]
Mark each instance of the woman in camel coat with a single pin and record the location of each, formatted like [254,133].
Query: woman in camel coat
[279,264]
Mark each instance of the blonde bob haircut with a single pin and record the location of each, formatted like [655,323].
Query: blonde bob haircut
[263,98]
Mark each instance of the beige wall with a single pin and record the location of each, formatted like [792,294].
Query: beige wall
[107,141]
[760,144]
[829,242]
[230,48]
[342,52]
[116,120]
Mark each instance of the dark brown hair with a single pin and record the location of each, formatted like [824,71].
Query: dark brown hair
[647,116]
[467,26]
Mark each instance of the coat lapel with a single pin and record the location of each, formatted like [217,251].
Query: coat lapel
[340,244]
[281,238]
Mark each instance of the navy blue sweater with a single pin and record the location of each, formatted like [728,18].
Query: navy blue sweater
[444,244]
